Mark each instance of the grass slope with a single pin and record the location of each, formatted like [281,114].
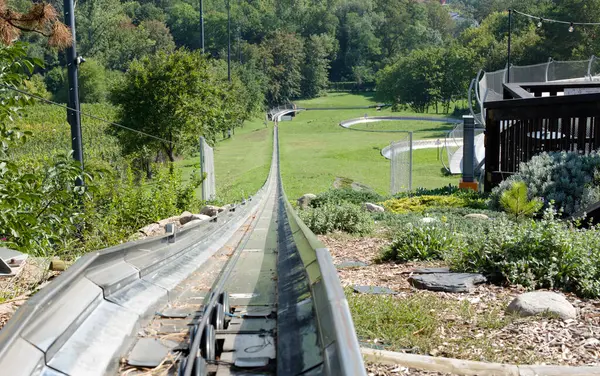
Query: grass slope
[315,150]
[241,162]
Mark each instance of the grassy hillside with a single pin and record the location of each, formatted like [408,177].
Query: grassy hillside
[315,150]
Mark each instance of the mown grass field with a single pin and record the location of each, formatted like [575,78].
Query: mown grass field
[315,150]
[241,162]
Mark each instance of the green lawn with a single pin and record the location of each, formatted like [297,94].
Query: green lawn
[315,150]
[241,163]
[421,129]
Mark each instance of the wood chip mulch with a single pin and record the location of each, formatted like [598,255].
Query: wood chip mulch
[534,340]
[14,291]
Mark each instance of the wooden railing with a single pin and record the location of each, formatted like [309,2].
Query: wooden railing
[518,129]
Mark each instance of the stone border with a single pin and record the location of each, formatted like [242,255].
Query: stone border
[470,367]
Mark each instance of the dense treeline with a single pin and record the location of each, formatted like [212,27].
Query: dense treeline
[289,49]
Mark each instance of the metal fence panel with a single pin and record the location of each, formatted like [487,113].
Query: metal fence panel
[401,164]
[207,166]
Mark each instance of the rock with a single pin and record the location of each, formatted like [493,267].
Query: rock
[536,302]
[201,217]
[185,217]
[305,200]
[153,229]
[449,282]
[164,222]
[373,208]
[211,210]
[430,270]
[477,216]
[57,265]
[428,220]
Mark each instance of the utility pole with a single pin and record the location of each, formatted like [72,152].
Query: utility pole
[73,113]
[509,37]
[202,25]
[228,42]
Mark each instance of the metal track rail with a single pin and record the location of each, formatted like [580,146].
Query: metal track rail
[252,290]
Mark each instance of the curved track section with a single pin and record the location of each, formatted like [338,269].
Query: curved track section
[252,290]
[374,119]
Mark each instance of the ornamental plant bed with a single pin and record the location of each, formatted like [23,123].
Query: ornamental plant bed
[471,326]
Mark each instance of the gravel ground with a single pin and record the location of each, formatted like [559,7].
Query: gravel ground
[539,340]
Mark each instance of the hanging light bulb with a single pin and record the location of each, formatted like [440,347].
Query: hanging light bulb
[571,28]
[539,24]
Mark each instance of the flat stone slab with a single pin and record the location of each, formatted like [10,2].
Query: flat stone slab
[351,264]
[448,282]
[373,290]
[538,302]
[430,270]
[149,352]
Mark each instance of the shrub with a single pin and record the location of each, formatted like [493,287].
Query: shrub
[421,243]
[420,203]
[338,196]
[568,179]
[343,217]
[536,254]
[515,202]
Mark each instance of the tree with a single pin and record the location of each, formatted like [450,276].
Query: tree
[414,80]
[175,98]
[284,54]
[318,50]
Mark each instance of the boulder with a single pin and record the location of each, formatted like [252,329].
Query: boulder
[370,207]
[185,217]
[211,210]
[305,200]
[477,216]
[429,220]
[201,217]
[164,222]
[536,302]
[153,229]
[449,282]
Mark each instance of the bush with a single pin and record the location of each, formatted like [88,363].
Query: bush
[349,195]
[432,242]
[568,179]
[420,203]
[343,217]
[536,254]
[515,202]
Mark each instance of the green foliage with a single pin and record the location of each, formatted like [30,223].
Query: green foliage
[426,77]
[119,207]
[515,202]
[567,178]
[319,50]
[343,217]
[92,82]
[420,203]
[284,54]
[345,195]
[35,85]
[536,254]
[424,242]
[177,97]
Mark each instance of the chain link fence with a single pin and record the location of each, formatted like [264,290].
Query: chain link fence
[401,160]
[207,166]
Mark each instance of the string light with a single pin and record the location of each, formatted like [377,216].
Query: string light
[571,24]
